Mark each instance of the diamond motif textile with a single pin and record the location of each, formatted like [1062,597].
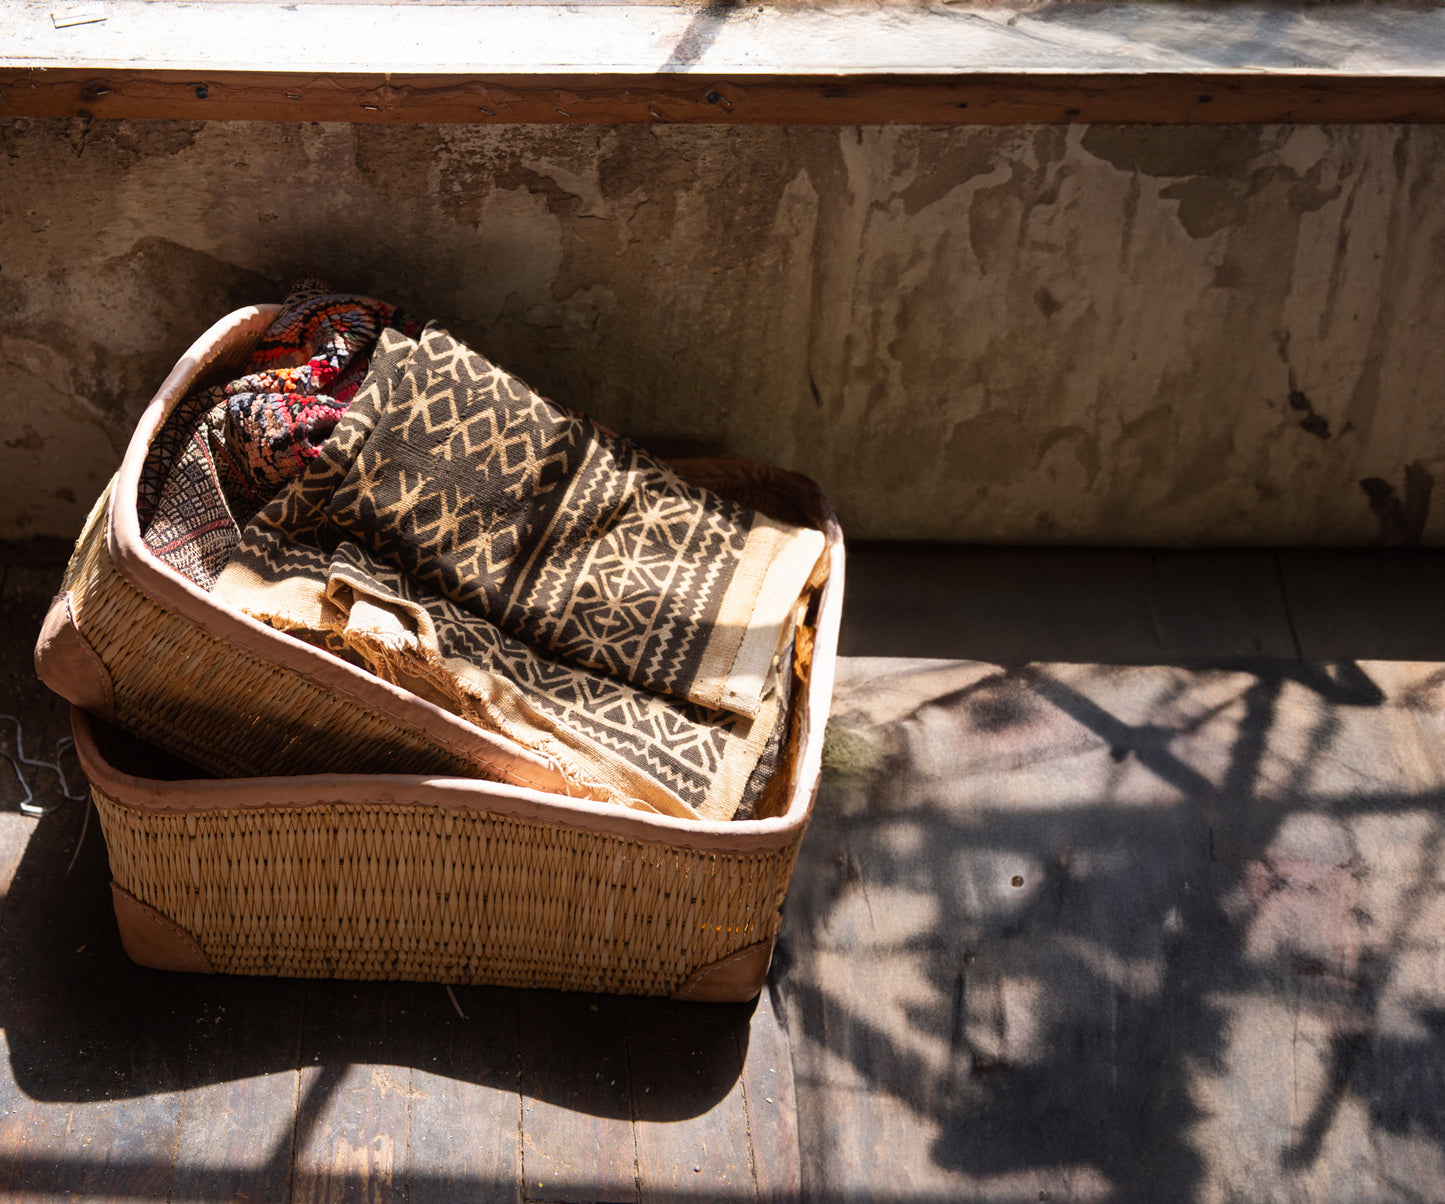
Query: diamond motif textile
[302,571]
[567,537]
[225,449]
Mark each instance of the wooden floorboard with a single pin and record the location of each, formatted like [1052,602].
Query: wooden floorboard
[238,1118]
[1138,933]
[1217,605]
[353,1119]
[685,1064]
[772,1107]
[979,97]
[1159,921]
[577,1139]
[1367,605]
[466,1105]
[92,1093]
[1016,605]
[120,1082]
[1110,895]
[808,64]
[1005,605]
[96,1054]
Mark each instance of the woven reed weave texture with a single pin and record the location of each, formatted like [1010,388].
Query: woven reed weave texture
[392,891]
[207,701]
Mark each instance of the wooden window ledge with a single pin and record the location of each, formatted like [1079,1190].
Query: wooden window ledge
[854,63]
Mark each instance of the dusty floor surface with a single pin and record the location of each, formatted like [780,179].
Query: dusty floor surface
[1124,884]
[121,1083]
[1145,902]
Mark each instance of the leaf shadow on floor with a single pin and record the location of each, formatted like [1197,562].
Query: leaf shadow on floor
[1067,930]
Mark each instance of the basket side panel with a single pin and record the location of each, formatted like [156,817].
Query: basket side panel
[396,891]
[218,707]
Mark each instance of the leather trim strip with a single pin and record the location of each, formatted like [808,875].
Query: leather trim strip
[199,795]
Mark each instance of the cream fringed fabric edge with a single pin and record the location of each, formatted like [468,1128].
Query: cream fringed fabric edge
[615,742]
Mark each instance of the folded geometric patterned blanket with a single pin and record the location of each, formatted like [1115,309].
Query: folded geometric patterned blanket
[491,552]
[566,536]
[611,741]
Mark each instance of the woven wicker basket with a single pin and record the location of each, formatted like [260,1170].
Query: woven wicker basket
[352,857]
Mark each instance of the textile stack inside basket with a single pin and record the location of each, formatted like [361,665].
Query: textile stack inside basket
[375,488]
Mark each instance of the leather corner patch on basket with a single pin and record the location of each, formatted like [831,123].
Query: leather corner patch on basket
[731,979]
[151,939]
[65,661]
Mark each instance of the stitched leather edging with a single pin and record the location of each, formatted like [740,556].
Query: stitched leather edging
[202,795]
[66,662]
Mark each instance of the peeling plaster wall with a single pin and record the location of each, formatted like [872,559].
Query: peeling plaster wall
[1087,334]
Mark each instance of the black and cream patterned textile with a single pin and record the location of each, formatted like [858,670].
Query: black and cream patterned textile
[484,549]
[573,540]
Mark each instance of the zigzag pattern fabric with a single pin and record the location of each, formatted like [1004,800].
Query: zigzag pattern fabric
[301,570]
[225,449]
[570,538]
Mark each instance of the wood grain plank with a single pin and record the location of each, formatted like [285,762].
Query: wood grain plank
[999,605]
[353,1115]
[138,1070]
[466,1108]
[723,40]
[95,1072]
[33,1117]
[15,830]
[28,1131]
[1014,605]
[1366,605]
[39,718]
[577,1133]
[43,718]
[1218,605]
[955,99]
[1014,929]
[90,1090]
[688,1098]
[772,1106]
[238,1119]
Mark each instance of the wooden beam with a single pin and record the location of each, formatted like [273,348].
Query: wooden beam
[726,61]
[806,100]
[727,38]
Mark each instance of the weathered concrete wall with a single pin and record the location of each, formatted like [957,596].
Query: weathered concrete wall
[1031,334]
